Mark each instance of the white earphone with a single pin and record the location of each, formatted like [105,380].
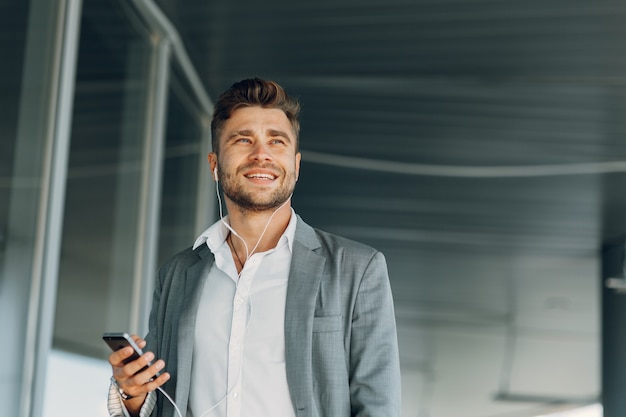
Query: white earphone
[215,174]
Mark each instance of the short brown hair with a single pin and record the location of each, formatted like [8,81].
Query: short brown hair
[253,92]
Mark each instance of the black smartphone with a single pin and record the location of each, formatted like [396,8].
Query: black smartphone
[116,341]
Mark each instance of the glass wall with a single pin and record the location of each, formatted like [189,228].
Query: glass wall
[38,46]
[19,199]
[14,18]
[85,165]
[184,156]
[104,180]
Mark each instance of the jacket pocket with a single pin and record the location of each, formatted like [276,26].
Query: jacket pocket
[327,324]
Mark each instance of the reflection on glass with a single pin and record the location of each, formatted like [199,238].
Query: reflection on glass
[14,20]
[180,175]
[23,99]
[101,218]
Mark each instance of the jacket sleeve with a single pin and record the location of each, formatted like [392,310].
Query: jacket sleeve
[374,359]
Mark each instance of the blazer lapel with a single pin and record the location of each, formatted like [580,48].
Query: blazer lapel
[304,279]
[194,277]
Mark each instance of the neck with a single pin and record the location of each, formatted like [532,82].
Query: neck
[260,230]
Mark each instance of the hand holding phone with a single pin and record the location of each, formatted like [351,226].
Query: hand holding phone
[130,377]
[117,341]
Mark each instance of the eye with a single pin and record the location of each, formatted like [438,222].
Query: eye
[243,140]
[277,141]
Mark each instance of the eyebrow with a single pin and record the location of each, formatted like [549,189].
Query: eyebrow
[240,133]
[272,132]
[269,132]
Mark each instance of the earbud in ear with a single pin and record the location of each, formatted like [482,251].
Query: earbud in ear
[215,174]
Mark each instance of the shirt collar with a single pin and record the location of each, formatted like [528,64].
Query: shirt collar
[217,233]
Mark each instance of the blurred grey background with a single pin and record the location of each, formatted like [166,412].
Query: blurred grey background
[478,144]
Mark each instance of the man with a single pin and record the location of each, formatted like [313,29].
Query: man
[264,316]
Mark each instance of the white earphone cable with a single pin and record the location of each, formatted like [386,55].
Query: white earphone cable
[248,252]
[248,255]
[171,400]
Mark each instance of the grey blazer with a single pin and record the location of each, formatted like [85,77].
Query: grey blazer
[340,333]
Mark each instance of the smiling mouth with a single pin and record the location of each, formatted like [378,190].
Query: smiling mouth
[262,176]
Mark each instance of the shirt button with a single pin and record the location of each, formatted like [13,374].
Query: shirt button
[235,395]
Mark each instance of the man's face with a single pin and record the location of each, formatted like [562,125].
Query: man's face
[258,164]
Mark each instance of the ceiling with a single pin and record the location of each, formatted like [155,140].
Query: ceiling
[468,140]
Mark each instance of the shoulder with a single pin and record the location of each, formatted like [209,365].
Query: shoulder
[184,259]
[333,242]
[332,245]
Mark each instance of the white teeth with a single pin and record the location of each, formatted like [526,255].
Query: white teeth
[266,176]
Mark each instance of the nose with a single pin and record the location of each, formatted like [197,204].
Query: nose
[260,152]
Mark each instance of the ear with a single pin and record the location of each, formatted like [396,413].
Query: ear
[298,158]
[212,158]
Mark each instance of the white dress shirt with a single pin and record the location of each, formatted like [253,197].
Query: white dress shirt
[238,367]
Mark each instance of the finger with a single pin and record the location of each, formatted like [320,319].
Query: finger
[151,385]
[139,364]
[149,374]
[157,382]
[139,341]
[118,357]
[130,381]
[145,381]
